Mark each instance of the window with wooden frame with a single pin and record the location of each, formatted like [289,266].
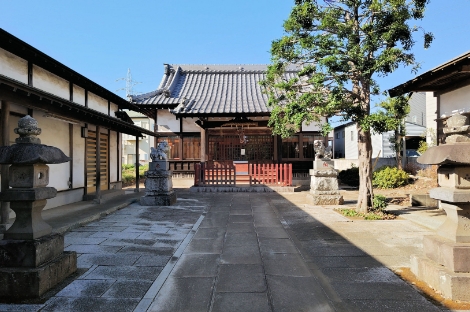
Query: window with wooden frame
[290,147]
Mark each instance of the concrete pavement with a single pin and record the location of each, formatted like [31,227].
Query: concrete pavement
[238,252]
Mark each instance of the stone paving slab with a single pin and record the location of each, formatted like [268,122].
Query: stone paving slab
[248,278]
[189,294]
[297,294]
[205,245]
[281,255]
[241,302]
[243,254]
[66,304]
[197,265]
[285,265]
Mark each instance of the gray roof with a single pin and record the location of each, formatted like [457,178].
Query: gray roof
[210,89]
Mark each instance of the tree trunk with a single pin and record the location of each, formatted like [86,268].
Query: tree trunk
[398,148]
[364,200]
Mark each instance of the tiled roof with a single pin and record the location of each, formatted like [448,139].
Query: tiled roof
[210,89]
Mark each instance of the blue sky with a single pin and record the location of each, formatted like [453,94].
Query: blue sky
[102,39]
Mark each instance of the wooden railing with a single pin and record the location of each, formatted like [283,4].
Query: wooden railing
[271,174]
[214,175]
[226,174]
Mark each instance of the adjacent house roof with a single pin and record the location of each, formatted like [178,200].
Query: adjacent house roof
[449,76]
[202,90]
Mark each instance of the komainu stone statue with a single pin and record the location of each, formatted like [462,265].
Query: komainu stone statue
[158,183]
[161,152]
[322,152]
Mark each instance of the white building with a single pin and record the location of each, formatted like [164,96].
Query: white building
[75,114]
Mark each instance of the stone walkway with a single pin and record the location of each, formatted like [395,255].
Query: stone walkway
[239,252]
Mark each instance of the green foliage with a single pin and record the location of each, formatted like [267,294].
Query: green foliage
[128,178]
[349,212]
[350,176]
[127,166]
[339,49]
[379,202]
[128,173]
[423,147]
[372,215]
[389,177]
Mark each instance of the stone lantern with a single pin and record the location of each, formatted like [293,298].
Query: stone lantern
[32,259]
[445,265]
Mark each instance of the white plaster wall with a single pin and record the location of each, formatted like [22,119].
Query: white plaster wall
[13,66]
[97,103]
[350,146]
[313,126]
[113,108]
[431,115]
[377,145]
[78,157]
[167,121]
[78,95]
[55,133]
[189,125]
[455,100]
[113,159]
[47,81]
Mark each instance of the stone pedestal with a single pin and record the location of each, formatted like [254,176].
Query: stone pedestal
[29,268]
[324,184]
[158,187]
[445,264]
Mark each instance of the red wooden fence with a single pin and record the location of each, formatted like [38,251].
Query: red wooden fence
[225,175]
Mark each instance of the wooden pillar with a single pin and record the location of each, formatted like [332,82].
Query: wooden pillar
[71,156]
[275,149]
[203,145]
[137,178]
[155,129]
[98,164]
[180,148]
[5,141]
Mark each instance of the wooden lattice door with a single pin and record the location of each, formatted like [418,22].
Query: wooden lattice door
[91,169]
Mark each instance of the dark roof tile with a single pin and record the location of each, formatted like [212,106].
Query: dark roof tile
[210,89]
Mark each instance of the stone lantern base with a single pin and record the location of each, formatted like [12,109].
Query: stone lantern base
[158,186]
[324,184]
[29,268]
[445,264]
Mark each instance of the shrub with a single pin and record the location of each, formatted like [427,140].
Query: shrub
[127,166]
[379,202]
[423,147]
[412,168]
[350,176]
[128,178]
[389,177]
